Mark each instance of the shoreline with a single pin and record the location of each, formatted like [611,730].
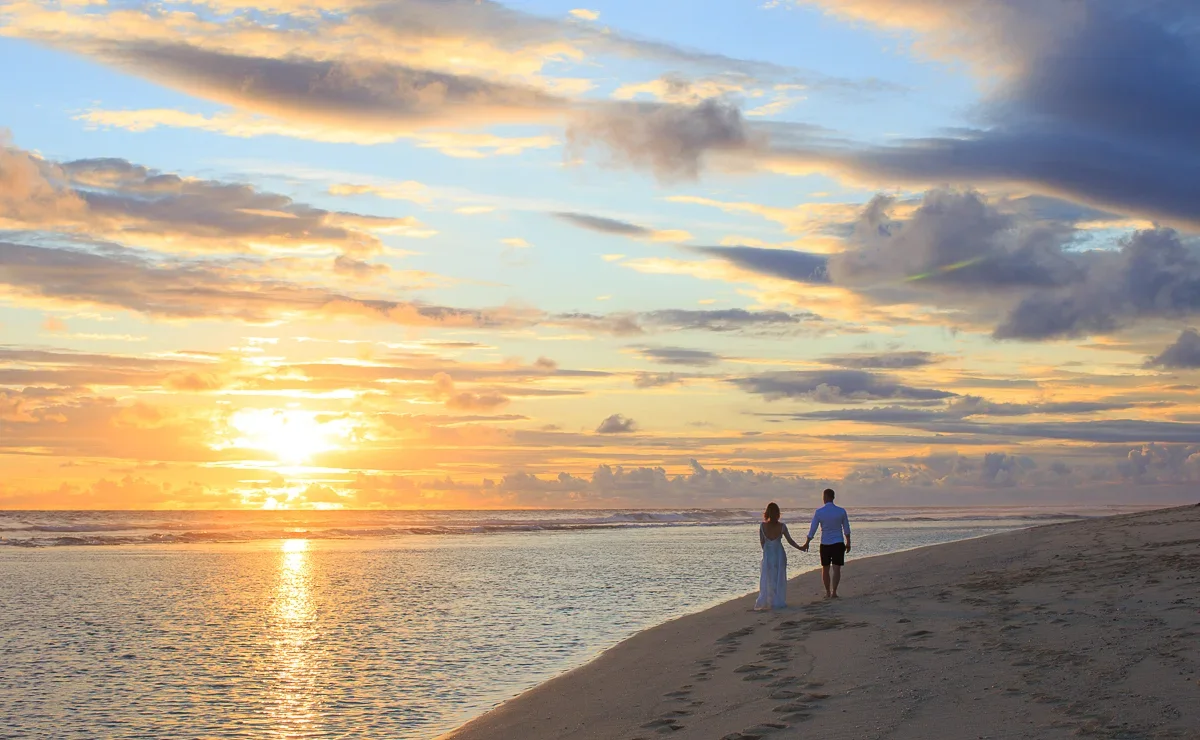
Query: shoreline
[923,641]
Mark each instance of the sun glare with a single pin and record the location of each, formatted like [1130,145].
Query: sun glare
[292,435]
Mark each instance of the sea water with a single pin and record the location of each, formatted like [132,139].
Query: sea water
[361,624]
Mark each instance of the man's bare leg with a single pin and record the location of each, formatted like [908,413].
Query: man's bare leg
[833,575]
[825,579]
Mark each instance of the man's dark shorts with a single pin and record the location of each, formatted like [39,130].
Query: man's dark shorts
[834,554]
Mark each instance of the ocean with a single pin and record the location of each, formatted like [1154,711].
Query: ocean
[357,624]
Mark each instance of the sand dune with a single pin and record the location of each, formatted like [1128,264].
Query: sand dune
[1084,629]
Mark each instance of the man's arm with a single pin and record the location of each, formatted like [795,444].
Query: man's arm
[846,529]
[811,531]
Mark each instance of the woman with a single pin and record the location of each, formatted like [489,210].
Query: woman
[773,581]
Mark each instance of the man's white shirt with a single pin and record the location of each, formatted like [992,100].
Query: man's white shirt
[833,521]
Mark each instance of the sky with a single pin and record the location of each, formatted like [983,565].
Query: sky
[462,254]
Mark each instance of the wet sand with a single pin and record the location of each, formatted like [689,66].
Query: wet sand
[1088,628]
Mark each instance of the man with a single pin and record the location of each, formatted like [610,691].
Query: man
[835,541]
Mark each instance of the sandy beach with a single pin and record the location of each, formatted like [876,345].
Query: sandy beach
[1089,628]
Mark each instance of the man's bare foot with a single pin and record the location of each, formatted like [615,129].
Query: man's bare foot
[833,596]
[828,595]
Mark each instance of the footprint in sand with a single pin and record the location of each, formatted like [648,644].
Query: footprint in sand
[664,725]
[757,732]
[785,694]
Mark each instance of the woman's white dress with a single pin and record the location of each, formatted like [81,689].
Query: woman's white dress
[772,582]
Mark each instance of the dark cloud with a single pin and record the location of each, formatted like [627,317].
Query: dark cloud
[993,263]
[672,141]
[961,407]
[617,424]
[975,406]
[680,356]
[605,225]
[834,386]
[1097,102]
[1153,275]
[366,95]
[727,320]
[1183,354]
[787,264]
[883,360]
[1161,463]
[955,241]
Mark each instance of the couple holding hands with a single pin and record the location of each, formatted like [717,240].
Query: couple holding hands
[835,543]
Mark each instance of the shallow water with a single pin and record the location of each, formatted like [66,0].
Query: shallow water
[404,636]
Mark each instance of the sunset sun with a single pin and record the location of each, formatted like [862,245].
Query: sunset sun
[293,436]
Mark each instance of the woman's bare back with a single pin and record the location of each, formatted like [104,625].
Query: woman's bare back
[773,530]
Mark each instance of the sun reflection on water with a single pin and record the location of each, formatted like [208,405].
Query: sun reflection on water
[295,704]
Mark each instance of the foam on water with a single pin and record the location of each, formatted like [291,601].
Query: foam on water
[357,624]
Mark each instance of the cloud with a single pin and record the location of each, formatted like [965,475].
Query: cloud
[953,241]
[834,386]
[883,360]
[357,269]
[786,264]
[680,356]
[1106,430]
[622,228]
[656,380]
[1090,101]
[44,368]
[117,199]
[962,407]
[183,289]
[672,141]
[585,14]
[1183,354]
[727,320]
[457,400]
[1011,263]
[1154,275]
[617,424]
[372,96]
[433,71]
[699,486]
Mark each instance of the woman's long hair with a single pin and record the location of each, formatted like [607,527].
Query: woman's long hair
[772,513]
